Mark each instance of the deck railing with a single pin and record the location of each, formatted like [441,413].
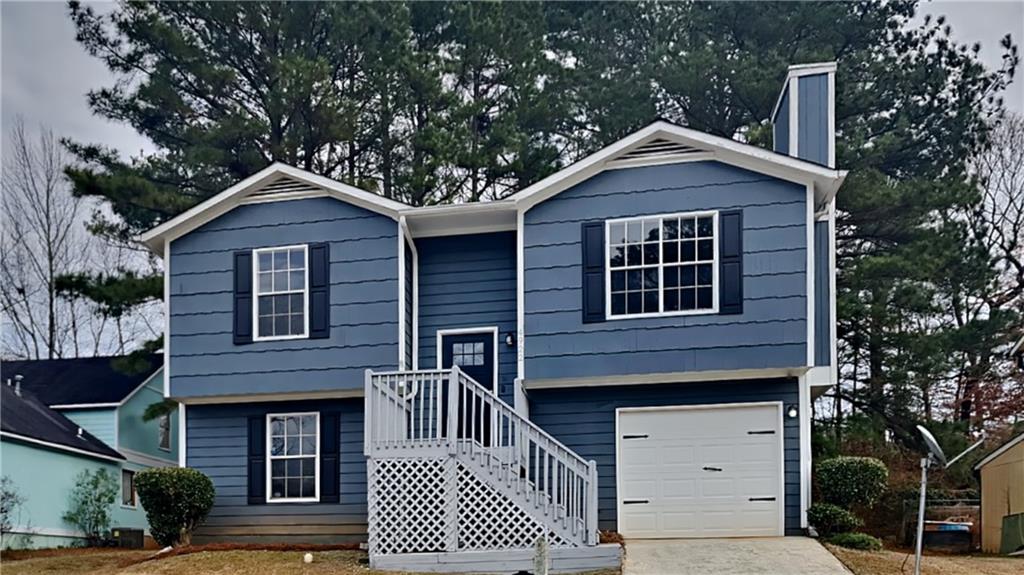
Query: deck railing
[445,413]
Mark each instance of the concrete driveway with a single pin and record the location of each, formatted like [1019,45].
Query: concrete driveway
[761,556]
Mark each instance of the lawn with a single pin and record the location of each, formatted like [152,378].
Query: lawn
[890,562]
[77,562]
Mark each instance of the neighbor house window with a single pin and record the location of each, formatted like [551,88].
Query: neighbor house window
[127,488]
[662,265]
[282,294]
[164,432]
[293,462]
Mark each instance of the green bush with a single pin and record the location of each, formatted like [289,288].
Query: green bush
[861,541]
[90,502]
[848,481]
[176,501]
[830,519]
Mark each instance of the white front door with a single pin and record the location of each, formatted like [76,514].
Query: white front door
[700,471]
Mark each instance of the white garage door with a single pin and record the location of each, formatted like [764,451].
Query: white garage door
[707,471]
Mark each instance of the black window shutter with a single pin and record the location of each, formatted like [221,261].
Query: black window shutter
[730,261]
[330,460]
[243,297]
[257,454]
[319,291]
[593,272]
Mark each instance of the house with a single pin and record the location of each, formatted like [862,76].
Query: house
[1002,497]
[630,344]
[63,416]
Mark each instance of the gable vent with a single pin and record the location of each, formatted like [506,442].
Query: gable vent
[657,151]
[283,189]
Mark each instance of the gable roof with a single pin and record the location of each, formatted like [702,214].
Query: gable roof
[1000,450]
[689,144]
[81,381]
[24,417]
[276,180]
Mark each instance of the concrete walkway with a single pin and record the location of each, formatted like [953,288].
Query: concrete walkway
[760,556]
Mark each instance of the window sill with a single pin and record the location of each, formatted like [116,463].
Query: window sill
[279,338]
[295,500]
[123,506]
[710,311]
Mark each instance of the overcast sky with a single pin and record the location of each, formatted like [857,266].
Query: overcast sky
[44,74]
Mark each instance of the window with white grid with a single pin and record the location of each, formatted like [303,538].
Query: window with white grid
[293,463]
[662,265]
[282,292]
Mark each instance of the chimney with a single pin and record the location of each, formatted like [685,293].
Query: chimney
[804,120]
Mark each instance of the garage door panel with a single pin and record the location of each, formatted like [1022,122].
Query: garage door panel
[697,469]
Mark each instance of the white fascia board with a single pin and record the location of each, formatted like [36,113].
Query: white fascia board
[669,377]
[84,405]
[267,397]
[1005,447]
[232,197]
[57,446]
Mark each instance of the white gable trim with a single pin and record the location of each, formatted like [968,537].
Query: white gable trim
[1003,449]
[798,70]
[235,195]
[825,181]
[57,446]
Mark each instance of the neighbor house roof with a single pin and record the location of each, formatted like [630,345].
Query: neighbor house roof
[1000,450]
[660,142]
[23,417]
[91,381]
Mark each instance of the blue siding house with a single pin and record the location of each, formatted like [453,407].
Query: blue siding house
[630,344]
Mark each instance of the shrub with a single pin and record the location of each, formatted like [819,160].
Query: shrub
[848,481]
[861,541]
[830,519]
[91,499]
[176,501]
[10,503]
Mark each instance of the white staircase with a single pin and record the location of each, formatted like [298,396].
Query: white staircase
[452,468]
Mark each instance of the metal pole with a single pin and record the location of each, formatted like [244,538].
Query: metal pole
[925,462]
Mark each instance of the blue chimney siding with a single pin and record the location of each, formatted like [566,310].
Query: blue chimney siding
[781,125]
[770,333]
[822,301]
[363,295]
[812,113]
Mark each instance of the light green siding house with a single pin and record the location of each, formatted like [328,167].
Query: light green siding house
[68,400]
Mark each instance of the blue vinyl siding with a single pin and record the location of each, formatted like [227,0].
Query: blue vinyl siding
[469,281]
[409,351]
[584,420]
[771,331]
[363,295]
[822,309]
[812,112]
[101,422]
[781,124]
[217,444]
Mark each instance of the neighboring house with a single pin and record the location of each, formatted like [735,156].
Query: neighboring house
[1002,497]
[632,344]
[93,395]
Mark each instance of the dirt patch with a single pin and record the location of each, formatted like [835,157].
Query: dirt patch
[248,547]
[70,561]
[901,562]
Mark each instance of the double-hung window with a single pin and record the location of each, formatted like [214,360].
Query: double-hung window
[164,432]
[282,293]
[293,462]
[662,265]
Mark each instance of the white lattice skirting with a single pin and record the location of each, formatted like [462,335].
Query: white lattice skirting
[440,505]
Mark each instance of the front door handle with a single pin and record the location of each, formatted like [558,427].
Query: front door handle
[635,501]
[711,468]
[762,499]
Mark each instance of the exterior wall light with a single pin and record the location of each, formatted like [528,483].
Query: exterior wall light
[792,411]
[510,339]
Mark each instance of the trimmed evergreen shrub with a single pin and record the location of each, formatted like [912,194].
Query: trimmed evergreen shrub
[847,481]
[830,519]
[176,501]
[861,541]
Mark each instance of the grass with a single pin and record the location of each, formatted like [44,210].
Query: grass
[896,562]
[234,562]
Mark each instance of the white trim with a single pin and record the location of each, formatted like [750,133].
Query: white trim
[493,330]
[794,118]
[464,230]
[804,406]
[833,308]
[811,319]
[401,292]
[831,83]
[284,197]
[1003,449]
[182,435]
[84,405]
[715,284]
[520,298]
[232,196]
[58,446]
[267,397]
[660,160]
[781,497]
[140,387]
[139,458]
[167,318]
[668,377]
[415,292]
[159,424]
[316,458]
[256,292]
